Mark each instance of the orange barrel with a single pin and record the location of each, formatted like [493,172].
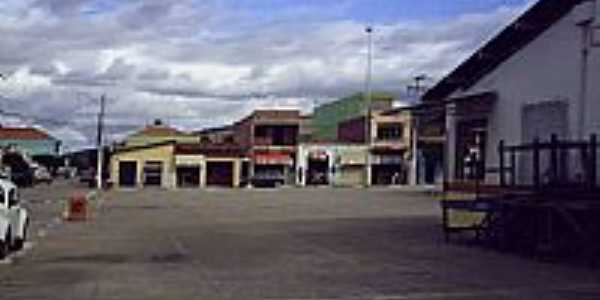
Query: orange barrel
[77,210]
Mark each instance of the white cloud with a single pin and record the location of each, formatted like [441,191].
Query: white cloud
[189,64]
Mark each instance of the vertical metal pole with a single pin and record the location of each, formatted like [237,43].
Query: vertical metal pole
[501,157]
[536,163]
[585,51]
[368,95]
[554,157]
[593,160]
[100,153]
[513,167]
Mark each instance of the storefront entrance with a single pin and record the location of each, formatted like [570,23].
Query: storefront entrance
[219,173]
[127,173]
[318,169]
[188,176]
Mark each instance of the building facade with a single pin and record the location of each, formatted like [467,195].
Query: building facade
[389,145]
[326,117]
[30,141]
[533,80]
[332,164]
[270,137]
[174,165]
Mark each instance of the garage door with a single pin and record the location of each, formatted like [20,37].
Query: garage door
[153,173]
[219,174]
[127,173]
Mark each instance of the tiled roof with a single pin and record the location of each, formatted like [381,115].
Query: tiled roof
[153,130]
[26,133]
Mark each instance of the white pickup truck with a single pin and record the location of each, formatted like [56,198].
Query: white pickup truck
[14,219]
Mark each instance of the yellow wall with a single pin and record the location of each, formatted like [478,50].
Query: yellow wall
[350,176]
[162,153]
[402,117]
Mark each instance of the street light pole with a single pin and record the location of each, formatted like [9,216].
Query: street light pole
[368,95]
[100,154]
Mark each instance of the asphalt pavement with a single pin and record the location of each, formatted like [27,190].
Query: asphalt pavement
[276,244]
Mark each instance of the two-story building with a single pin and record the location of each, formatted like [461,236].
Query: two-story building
[389,144]
[271,137]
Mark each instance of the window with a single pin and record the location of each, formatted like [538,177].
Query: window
[2,195]
[13,198]
[390,131]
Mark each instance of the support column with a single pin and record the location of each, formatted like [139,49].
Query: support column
[236,173]
[300,167]
[450,155]
[368,168]
[140,174]
[203,174]
[414,165]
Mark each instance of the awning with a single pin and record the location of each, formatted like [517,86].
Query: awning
[388,159]
[473,106]
[318,155]
[274,158]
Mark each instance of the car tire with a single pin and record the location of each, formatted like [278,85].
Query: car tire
[19,243]
[5,246]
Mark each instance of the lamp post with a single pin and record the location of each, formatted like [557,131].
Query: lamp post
[368,96]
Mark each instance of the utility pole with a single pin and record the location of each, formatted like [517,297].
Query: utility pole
[368,95]
[417,89]
[100,154]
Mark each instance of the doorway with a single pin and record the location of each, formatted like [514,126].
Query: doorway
[318,170]
[219,173]
[188,176]
[127,173]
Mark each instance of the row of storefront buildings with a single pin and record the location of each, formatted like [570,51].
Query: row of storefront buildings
[278,147]
[532,81]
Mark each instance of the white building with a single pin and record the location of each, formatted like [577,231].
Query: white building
[540,76]
[331,164]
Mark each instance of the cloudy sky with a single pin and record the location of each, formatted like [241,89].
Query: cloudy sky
[199,63]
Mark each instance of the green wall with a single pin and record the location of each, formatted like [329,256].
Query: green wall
[327,116]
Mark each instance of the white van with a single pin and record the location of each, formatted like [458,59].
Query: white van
[14,219]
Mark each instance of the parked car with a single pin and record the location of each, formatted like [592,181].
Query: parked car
[66,172]
[268,179]
[41,174]
[14,219]
[21,172]
[88,176]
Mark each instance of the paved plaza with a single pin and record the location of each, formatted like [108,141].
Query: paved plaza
[272,244]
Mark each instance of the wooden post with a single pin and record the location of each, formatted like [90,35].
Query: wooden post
[554,158]
[513,167]
[501,158]
[536,163]
[593,160]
